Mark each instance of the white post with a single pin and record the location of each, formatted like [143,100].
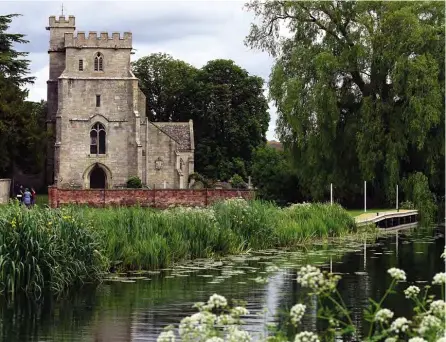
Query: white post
[365,198]
[397,197]
[331,193]
[249,182]
[164,184]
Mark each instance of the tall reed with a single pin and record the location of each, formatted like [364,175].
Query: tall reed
[139,238]
[56,248]
[46,249]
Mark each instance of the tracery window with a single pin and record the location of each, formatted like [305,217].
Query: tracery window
[97,139]
[98,62]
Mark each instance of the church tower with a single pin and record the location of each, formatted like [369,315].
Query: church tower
[56,52]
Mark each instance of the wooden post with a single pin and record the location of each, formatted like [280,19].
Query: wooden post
[365,196]
[397,198]
[331,193]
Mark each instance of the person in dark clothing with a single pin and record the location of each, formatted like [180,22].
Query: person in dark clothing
[33,196]
[20,194]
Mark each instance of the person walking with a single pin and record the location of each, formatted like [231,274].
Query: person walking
[27,198]
[33,196]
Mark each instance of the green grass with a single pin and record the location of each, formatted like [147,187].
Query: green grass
[357,212]
[56,248]
[42,200]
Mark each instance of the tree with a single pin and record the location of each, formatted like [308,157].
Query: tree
[168,84]
[22,123]
[232,119]
[359,89]
[13,66]
[227,105]
[274,177]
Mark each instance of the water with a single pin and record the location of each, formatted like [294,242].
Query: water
[137,311]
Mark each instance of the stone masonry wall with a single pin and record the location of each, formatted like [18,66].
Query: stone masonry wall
[162,198]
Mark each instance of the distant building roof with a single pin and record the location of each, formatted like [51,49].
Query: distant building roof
[181,132]
[275,144]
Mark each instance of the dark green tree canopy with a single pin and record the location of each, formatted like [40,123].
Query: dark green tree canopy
[359,88]
[227,105]
[22,123]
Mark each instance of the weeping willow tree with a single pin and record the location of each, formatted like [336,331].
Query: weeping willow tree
[359,90]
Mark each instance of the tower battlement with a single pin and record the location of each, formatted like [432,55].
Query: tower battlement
[62,21]
[99,40]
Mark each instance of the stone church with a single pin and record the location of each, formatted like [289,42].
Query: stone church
[97,117]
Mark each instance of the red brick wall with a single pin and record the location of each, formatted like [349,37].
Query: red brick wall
[162,198]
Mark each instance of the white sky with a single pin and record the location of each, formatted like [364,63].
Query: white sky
[192,31]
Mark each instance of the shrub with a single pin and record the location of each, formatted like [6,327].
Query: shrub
[134,182]
[237,182]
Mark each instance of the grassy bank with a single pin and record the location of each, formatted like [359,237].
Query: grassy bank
[70,248]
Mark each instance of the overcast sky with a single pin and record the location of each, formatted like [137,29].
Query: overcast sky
[193,31]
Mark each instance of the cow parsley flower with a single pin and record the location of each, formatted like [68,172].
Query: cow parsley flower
[401,324]
[439,278]
[239,311]
[297,312]
[312,277]
[166,336]
[397,274]
[428,323]
[383,316]
[217,301]
[236,335]
[417,339]
[391,339]
[215,339]
[442,339]
[412,292]
[306,336]
[438,308]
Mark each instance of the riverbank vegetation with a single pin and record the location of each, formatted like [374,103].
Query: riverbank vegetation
[56,248]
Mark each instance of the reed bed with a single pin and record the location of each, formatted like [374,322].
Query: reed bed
[44,249]
[56,248]
[139,238]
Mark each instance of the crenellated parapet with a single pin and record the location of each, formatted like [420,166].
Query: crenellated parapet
[62,21]
[99,40]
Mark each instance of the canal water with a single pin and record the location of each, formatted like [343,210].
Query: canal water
[138,309]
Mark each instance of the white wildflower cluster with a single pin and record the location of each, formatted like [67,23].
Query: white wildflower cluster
[412,292]
[296,313]
[438,308]
[312,277]
[306,336]
[417,339]
[197,325]
[215,339]
[239,311]
[224,320]
[391,339]
[442,339]
[236,335]
[429,323]
[401,324]
[207,213]
[443,255]
[383,316]
[166,336]
[397,274]
[236,202]
[439,278]
[217,301]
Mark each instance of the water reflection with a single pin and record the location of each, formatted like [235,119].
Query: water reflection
[138,311]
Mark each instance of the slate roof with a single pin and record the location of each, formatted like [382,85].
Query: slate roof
[178,131]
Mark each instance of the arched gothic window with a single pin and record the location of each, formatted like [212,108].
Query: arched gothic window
[99,62]
[97,139]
